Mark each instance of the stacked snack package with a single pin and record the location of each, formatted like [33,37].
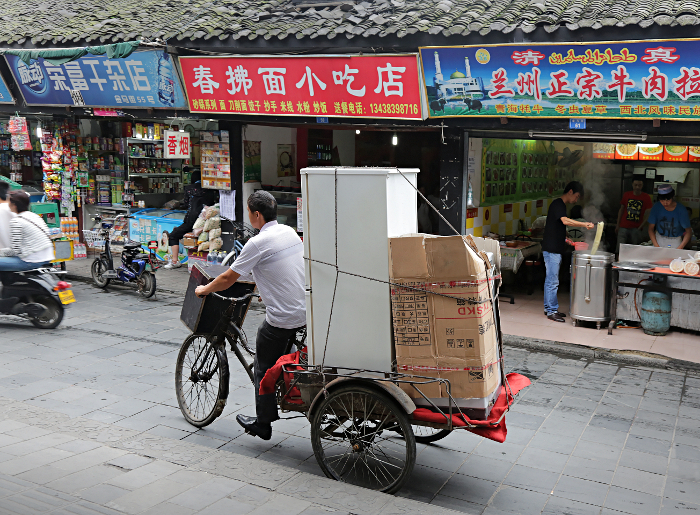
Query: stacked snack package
[60,164]
[20,133]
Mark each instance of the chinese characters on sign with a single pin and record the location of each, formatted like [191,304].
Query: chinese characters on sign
[144,79]
[636,79]
[378,86]
[176,145]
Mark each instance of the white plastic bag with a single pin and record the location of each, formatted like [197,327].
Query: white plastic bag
[212,223]
[215,244]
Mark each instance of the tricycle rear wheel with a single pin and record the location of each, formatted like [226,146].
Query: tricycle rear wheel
[425,434]
[353,438]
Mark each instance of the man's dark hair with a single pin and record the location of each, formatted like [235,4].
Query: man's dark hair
[20,200]
[668,196]
[574,186]
[195,177]
[4,188]
[264,203]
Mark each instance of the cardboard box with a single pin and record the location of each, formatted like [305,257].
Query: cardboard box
[444,325]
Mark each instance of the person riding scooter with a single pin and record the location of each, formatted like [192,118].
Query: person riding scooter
[30,244]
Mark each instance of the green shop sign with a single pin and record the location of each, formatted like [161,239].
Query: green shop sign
[653,79]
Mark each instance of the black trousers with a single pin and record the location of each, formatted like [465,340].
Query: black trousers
[179,232]
[270,344]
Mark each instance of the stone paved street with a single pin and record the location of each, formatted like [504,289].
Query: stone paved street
[89,424]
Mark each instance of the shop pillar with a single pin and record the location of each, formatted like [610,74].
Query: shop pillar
[236,148]
[453,181]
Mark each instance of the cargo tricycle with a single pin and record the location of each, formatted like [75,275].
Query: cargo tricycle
[364,426]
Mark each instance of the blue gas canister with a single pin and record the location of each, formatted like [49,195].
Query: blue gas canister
[656,313]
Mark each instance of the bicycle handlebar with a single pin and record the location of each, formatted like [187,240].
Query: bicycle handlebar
[233,299]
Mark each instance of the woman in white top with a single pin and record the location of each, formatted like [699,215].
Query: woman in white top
[30,244]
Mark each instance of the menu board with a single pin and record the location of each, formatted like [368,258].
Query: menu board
[515,170]
[627,151]
[216,160]
[646,152]
[651,152]
[676,153]
[694,154]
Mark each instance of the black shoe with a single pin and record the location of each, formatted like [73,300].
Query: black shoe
[252,427]
[558,313]
[554,316]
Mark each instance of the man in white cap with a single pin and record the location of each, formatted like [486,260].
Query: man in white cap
[669,223]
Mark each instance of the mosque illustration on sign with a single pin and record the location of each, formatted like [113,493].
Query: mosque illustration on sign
[459,87]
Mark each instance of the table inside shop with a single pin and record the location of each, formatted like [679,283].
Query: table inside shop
[513,257]
[657,272]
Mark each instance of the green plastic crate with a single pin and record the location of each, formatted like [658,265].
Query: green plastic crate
[48,211]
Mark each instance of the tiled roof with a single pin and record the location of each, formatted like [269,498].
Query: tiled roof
[64,22]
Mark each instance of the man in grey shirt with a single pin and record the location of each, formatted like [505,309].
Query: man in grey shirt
[275,257]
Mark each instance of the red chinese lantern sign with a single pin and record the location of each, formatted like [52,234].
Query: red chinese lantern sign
[377,86]
[176,145]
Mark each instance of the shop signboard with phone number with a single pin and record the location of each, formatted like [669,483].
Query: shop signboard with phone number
[376,86]
[652,79]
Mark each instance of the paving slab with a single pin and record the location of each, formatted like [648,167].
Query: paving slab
[100,428]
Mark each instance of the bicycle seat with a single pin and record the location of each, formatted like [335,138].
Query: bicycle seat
[130,245]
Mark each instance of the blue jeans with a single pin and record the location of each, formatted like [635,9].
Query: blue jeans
[552,262]
[15,264]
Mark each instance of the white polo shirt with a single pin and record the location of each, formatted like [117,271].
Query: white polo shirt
[276,259]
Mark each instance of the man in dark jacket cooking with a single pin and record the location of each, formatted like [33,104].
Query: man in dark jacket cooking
[554,245]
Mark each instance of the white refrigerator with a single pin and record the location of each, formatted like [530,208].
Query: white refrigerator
[372,205]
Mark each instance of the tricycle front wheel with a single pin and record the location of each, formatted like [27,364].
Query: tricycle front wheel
[353,434]
[201,380]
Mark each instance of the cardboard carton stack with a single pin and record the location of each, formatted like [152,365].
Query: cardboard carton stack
[452,338]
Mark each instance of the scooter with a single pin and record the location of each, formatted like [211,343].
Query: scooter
[137,266]
[37,295]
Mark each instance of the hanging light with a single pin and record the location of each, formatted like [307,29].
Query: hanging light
[357,131]
[39,132]
[395,140]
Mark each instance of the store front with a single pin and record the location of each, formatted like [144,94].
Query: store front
[536,116]
[107,153]
[274,155]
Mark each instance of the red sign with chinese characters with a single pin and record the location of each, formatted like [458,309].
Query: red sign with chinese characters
[644,79]
[176,145]
[376,86]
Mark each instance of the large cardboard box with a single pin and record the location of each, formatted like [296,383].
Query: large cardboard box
[444,325]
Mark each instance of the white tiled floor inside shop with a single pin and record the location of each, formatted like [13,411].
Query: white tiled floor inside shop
[525,318]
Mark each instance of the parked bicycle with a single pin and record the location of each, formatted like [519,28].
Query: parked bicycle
[138,267]
[242,232]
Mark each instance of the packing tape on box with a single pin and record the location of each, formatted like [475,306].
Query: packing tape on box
[447,369]
[398,285]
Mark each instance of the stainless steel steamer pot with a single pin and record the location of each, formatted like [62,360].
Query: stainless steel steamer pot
[591,278]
